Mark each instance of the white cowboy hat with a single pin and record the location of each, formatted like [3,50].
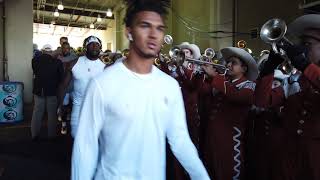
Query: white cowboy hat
[299,25]
[252,73]
[194,48]
[47,47]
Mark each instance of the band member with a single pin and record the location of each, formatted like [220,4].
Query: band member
[191,83]
[226,130]
[300,115]
[267,137]
[81,71]
[132,107]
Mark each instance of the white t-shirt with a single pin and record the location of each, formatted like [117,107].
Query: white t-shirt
[124,122]
[83,71]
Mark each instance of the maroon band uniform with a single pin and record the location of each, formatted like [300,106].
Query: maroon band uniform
[225,133]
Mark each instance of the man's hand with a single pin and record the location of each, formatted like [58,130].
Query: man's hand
[60,112]
[210,70]
[267,67]
[298,55]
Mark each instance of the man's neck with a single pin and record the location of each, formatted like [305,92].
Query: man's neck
[138,64]
[91,58]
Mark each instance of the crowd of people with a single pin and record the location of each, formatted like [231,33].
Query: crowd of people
[251,121]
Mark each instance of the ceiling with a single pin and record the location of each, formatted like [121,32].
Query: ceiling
[76,13]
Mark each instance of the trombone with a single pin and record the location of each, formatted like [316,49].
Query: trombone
[178,56]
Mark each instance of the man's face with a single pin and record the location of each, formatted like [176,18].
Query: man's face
[63,40]
[93,49]
[311,38]
[235,66]
[147,31]
[187,53]
[65,50]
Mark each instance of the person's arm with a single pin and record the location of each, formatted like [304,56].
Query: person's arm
[243,95]
[65,82]
[265,95]
[312,72]
[60,71]
[86,144]
[180,142]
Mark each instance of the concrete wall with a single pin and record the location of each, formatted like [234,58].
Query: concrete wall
[19,43]
[190,19]
[1,41]
[108,36]
[121,39]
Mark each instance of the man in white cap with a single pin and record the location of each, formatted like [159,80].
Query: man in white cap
[300,115]
[81,70]
[48,73]
[226,124]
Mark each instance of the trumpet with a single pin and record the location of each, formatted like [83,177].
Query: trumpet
[163,57]
[178,56]
[273,32]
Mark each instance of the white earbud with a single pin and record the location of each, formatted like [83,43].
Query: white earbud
[130,37]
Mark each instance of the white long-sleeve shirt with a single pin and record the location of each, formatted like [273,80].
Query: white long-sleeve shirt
[124,122]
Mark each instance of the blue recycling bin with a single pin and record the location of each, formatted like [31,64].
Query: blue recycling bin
[11,102]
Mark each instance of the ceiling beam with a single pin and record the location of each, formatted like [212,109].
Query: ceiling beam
[77,11]
[65,23]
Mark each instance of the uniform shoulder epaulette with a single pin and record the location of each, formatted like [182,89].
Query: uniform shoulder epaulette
[247,85]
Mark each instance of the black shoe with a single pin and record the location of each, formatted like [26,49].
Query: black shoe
[64,129]
[35,139]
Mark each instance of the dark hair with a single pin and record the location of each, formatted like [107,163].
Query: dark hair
[63,37]
[136,6]
[107,51]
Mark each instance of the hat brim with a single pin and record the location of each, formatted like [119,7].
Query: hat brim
[194,48]
[299,25]
[252,73]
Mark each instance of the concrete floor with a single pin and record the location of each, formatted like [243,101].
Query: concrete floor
[22,159]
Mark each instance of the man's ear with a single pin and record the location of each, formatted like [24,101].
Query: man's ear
[129,35]
[245,69]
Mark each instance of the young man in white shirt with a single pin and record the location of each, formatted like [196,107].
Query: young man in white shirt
[80,72]
[131,108]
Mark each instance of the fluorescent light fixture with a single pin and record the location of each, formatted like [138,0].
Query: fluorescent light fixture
[56,13]
[60,6]
[99,18]
[109,13]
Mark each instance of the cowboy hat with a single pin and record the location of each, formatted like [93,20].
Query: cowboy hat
[252,73]
[193,48]
[299,25]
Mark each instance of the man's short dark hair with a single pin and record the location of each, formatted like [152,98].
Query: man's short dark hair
[63,37]
[136,6]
